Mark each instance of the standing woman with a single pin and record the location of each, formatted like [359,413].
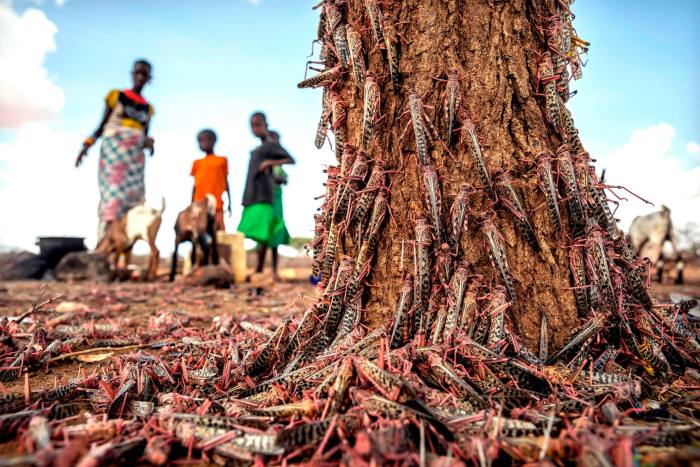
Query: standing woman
[124,131]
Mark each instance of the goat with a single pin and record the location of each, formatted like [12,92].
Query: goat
[648,234]
[140,223]
[197,224]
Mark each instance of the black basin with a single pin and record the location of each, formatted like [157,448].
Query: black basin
[52,249]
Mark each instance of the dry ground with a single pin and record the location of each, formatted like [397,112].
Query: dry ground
[134,306]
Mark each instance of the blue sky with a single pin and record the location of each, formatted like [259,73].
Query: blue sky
[217,61]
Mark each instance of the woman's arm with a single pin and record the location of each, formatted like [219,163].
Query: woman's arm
[148,141]
[91,140]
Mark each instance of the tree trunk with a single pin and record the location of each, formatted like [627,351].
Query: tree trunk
[493,49]
[424,320]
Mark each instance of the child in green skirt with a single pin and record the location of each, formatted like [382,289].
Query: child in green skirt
[262,216]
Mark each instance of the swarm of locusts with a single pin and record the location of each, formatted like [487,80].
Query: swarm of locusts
[445,380]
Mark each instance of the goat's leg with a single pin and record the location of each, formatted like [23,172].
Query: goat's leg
[127,258]
[214,247]
[173,265]
[153,263]
[205,250]
[193,254]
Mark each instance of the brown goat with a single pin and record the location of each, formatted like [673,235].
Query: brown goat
[140,223]
[197,224]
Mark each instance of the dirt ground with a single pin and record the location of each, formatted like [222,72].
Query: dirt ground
[133,305]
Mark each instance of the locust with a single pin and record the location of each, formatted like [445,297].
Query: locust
[570,133]
[439,324]
[423,243]
[458,217]
[376,403]
[601,208]
[376,19]
[598,265]
[546,183]
[370,110]
[426,320]
[338,299]
[567,175]
[357,56]
[452,102]
[380,209]
[433,199]
[352,316]
[402,321]
[456,289]
[303,434]
[335,25]
[496,310]
[343,378]
[544,339]
[444,374]
[471,139]
[357,174]
[632,273]
[347,160]
[577,265]
[497,252]
[591,328]
[305,407]
[423,130]
[271,351]
[390,386]
[322,79]
[322,130]
[365,202]
[391,43]
[317,244]
[469,305]
[443,264]
[546,76]
[511,200]
[650,349]
[339,116]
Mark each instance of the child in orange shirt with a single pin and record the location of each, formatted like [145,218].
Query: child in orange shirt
[210,176]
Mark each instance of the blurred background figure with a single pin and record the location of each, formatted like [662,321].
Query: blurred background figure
[124,132]
[211,176]
[259,220]
[652,237]
[281,235]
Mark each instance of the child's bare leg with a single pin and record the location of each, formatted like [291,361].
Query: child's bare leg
[262,251]
[275,257]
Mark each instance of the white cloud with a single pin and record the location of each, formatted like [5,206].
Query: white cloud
[693,147]
[646,166]
[42,193]
[27,93]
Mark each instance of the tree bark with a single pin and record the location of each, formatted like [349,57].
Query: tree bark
[494,48]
